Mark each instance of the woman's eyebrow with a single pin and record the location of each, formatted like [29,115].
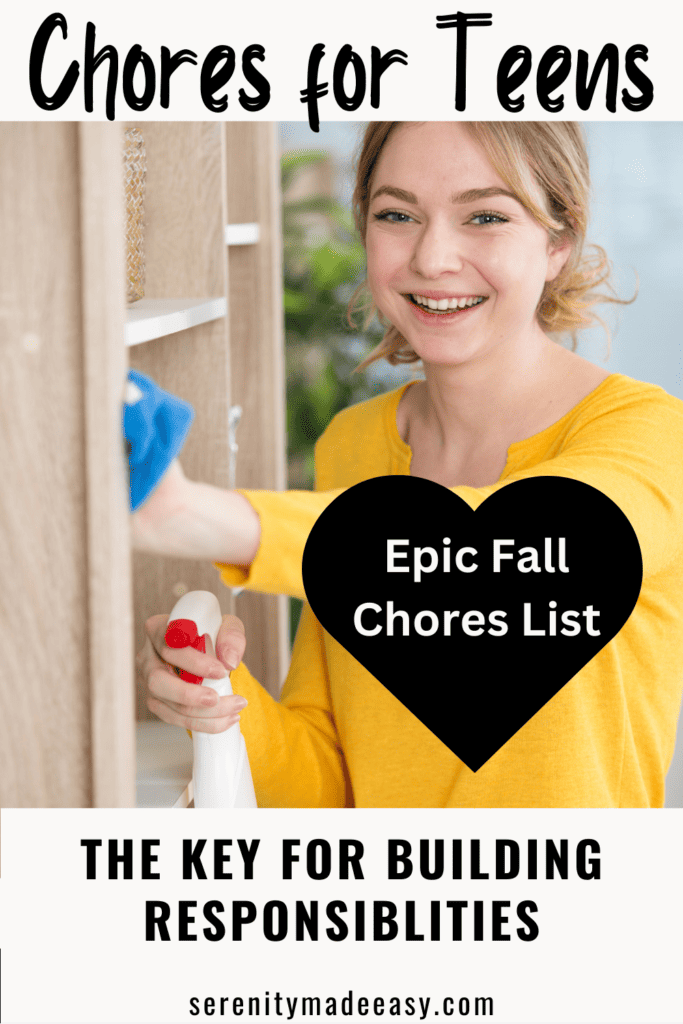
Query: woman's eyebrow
[397,193]
[471,195]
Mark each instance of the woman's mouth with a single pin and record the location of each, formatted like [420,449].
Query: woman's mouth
[447,305]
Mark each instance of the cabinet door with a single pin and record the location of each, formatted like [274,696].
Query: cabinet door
[66,722]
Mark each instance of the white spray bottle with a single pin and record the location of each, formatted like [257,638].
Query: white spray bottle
[221,774]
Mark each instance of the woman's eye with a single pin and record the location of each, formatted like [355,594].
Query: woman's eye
[488,218]
[393,217]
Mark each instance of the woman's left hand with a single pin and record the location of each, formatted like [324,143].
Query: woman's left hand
[189,705]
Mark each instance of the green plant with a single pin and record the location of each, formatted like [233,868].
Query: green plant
[324,261]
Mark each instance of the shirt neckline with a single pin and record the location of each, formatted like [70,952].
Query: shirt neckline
[406,452]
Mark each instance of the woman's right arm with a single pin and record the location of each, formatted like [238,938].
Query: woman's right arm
[186,519]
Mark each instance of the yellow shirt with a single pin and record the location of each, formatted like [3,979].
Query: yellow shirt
[339,738]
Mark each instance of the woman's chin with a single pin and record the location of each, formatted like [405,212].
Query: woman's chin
[445,354]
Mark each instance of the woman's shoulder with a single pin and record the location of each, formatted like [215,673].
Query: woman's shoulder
[618,391]
[364,418]
[619,414]
[624,414]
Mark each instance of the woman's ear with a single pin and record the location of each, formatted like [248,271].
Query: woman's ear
[557,257]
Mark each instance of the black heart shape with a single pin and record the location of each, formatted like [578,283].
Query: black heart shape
[493,681]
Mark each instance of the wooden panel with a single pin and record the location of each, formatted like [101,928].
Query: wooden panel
[185,257]
[109,559]
[44,701]
[183,225]
[257,360]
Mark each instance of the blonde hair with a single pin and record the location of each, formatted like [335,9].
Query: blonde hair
[530,157]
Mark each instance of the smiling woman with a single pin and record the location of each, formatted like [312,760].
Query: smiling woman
[544,168]
[469,280]
[426,241]
[475,247]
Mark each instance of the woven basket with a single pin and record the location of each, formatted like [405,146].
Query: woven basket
[135,171]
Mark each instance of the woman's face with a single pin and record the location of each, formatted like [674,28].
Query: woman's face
[455,262]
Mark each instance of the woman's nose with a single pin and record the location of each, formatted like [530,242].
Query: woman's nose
[437,251]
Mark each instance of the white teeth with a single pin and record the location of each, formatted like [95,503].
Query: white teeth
[443,304]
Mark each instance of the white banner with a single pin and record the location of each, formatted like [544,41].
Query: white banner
[516,915]
[357,61]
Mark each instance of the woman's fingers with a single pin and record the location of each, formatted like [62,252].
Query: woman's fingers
[231,641]
[187,718]
[167,686]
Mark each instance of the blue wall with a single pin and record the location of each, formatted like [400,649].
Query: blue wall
[638,218]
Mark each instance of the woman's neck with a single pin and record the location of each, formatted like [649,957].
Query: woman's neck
[460,422]
[465,404]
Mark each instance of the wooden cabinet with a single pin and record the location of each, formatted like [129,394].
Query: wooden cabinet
[73,601]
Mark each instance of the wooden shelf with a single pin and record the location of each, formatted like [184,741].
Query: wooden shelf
[154,318]
[242,234]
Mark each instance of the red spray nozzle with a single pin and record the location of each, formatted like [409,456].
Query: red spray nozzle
[183,633]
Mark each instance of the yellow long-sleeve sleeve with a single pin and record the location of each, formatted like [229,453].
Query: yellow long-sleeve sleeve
[605,740]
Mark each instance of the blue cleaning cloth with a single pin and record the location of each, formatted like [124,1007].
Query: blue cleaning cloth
[155,425]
